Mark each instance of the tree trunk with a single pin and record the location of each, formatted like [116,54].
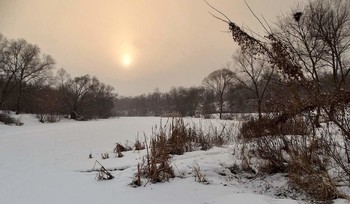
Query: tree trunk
[18,106]
[317,118]
[221,105]
[259,109]
[5,91]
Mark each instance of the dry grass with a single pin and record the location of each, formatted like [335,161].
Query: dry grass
[185,138]
[103,173]
[293,147]
[105,155]
[155,167]
[199,175]
[313,179]
[175,139]
[138,145]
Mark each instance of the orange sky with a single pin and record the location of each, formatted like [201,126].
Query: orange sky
[135,45]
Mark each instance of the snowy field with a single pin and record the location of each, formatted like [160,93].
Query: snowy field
[48,163]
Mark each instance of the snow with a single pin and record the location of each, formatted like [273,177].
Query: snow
[48,163]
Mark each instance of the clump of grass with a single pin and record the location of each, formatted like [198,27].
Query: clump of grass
[175,139]
[185,138]
[155,166]
[119,149]
[105,155]
[199,175]
[180,137]
[159,162]
[315,181]
[138,145]
[103,173]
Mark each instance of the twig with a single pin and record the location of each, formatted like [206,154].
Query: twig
[228,20]
[266,23]
[256,16]
[218,17]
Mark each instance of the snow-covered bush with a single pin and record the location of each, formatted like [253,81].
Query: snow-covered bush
[8,120]
[315,159]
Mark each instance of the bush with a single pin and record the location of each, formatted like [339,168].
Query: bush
[48,118]
[313,178]
[294,147]
[270,126]
[8,120]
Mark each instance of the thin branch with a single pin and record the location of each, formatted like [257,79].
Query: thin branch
[255,16]
[268,25]
[218,11]
[218,18]
[253,32]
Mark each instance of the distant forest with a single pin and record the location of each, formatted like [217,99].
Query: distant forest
[181,101]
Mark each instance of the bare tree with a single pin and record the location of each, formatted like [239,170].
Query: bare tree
[331,26]
[254,74]
[33,67]
[219,81]
[21,64]
[7,72]
[75,90]
[319,38]
[310,44]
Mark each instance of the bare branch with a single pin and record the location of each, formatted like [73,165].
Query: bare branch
[256,16]
[228,20]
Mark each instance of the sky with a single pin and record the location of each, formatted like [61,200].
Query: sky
[136,45]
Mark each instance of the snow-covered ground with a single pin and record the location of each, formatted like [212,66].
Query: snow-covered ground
[48,163]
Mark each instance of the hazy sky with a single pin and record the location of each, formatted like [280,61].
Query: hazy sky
[135,45]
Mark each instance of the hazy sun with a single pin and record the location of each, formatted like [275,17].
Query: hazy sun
[126,59]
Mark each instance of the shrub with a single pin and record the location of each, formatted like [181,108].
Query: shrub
[270,126]
[8,120]
[297,148]
[48,118]
[313,178]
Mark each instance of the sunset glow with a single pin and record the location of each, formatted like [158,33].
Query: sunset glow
[136,44]
[126,59]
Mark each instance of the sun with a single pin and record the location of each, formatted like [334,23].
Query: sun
[126,59]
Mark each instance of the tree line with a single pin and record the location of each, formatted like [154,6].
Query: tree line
[244,85]
[28,84]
